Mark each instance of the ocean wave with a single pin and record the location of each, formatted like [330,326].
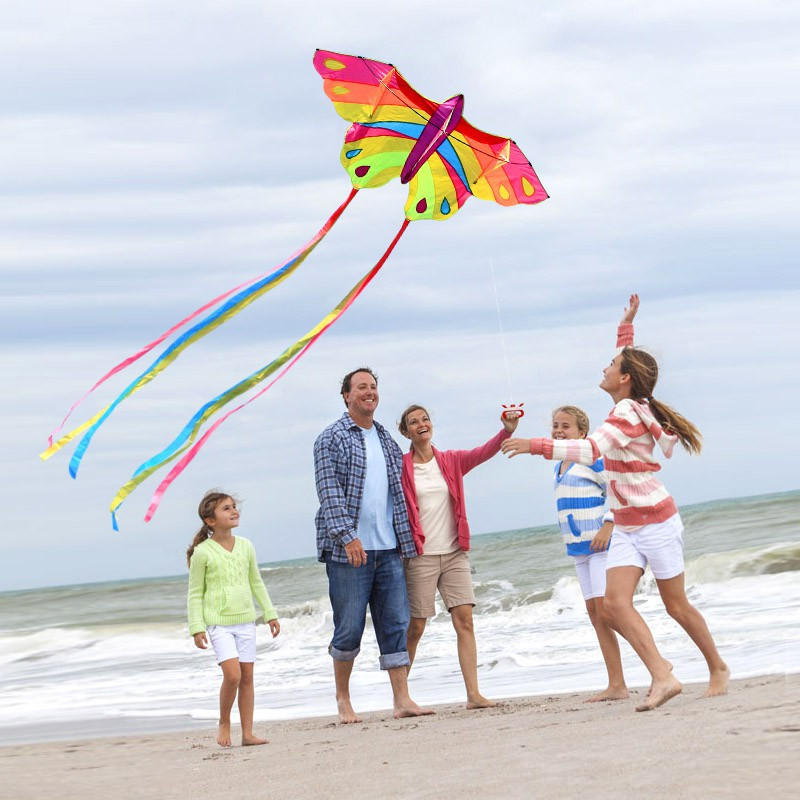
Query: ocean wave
[748,562]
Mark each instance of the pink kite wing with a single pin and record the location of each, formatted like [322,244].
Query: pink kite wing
[364,90]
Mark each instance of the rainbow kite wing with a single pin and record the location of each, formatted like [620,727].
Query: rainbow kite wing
[389,116]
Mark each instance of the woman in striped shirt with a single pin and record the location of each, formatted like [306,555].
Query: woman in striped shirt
[647,526]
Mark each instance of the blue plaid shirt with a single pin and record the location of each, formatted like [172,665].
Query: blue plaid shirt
[340,469]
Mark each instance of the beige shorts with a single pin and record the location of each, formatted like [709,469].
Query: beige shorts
[449,573]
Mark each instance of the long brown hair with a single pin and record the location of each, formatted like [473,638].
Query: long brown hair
[643,371]
[206,509]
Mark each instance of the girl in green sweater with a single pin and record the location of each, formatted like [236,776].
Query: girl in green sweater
[223,578]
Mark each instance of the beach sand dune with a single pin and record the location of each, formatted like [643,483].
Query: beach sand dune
[743,745]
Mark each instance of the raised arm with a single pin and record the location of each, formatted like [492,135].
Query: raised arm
[469,459]
[614,433]
[625,327]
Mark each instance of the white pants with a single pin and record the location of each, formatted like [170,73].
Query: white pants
[660,545]
[591,569]
[233,641]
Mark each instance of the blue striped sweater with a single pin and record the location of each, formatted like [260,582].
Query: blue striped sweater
[580,498]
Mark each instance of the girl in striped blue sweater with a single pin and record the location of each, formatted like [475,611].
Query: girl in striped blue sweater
[580,498]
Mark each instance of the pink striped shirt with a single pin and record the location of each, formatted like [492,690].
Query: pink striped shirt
[626,441]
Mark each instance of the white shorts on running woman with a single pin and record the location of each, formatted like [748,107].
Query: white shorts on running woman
[234,641]
[591,569]
[660,545]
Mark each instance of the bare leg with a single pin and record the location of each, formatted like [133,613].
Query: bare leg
[404,706]
[623,617]
[415,628]
[609,647]
[341,675]
[468,655]
[673,593]
[231,675]
[247,701]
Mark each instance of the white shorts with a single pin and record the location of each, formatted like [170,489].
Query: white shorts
[591,569]
[233,641]
[660,545]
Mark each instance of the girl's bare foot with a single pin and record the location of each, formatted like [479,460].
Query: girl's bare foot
[669,664]
[479,701]
[224,734]
[618,693]
[660,692]
[252,741]
[718,682]
[346,714]
[411,709]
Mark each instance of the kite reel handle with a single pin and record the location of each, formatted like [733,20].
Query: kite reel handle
[513,409]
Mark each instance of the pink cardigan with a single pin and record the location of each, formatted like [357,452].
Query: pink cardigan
[454,464]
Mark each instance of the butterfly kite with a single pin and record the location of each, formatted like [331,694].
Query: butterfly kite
[395,132]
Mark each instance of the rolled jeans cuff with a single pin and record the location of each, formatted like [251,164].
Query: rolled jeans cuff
[343,655]
[392,660]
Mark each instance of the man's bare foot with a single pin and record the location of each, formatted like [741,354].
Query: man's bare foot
[224,734]
[346,714]
[411,709]
[252,741]
[718,682]
[660,692]
[479,701]
[620,693]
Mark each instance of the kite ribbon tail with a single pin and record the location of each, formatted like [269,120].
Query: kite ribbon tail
[310,338]
[323,231]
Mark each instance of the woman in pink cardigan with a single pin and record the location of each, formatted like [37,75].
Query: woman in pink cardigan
[433,484]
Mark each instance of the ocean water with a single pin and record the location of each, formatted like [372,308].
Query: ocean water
[116,658]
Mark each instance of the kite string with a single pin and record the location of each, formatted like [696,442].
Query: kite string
[502,335]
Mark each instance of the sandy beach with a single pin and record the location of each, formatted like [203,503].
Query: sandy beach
[739,745]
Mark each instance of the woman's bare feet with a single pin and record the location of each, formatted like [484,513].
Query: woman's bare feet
[224,734]
[252,741]
[479,701]
[616,693]
[660,692]
[410,709]
[718,682]
[346,714]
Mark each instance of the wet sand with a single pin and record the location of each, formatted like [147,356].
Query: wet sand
[743,745]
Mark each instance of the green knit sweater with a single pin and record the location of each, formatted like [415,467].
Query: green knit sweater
[222,585]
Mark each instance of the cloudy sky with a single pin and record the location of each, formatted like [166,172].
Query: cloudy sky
[155,154]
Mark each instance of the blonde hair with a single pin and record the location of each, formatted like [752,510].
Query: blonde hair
[643,371]
[206,510]
[581,417]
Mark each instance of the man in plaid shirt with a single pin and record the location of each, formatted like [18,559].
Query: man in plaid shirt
[363,535]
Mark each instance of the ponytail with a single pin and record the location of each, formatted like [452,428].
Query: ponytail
[200,536]
[643,371]
[673,422]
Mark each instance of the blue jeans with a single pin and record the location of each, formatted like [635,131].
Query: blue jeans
[381,584]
